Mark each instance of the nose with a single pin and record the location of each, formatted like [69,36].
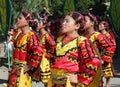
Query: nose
[63,23]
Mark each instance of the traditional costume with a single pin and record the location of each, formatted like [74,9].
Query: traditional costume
[27,52]
[108,70]
[101,42]
[75,58]
[48,45]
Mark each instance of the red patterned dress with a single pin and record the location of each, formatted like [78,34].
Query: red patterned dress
[108,70]
[48,45]
[27,52]
[78,58]
[107,53]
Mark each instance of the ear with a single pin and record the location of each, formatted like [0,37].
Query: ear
[77,26]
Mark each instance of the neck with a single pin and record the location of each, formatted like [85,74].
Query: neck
[103,31]
[91,30]
[25,29]
[43,31]
[73,34]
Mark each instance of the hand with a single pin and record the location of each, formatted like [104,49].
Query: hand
[26,68]
[73,77]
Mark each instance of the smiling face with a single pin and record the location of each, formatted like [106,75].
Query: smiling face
[68,25]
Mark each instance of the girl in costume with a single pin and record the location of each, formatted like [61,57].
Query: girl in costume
[76,62]
[98,39]
[48,46]
[26,54]
[107,66]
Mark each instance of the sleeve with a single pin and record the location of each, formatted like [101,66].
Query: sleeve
[36,51]
[89,63]
[51,43]
[108,46]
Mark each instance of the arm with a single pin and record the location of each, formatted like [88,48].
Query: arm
[50,42]
[108,46]
[89,63]
[36,51]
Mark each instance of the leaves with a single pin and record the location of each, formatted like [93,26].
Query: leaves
[84,4]
[29,5]
[115,14]
[69,5]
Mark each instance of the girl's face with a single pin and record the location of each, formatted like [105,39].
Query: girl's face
[21,21]
[101,27]
[88,22]
[39,26]
[68,25]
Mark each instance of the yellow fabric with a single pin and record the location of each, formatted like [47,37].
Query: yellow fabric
[94,36]
[57,75]
[94,83]
[50,83]
[68,84]
[44,65]
[58,71]
[108,70]
[24,80]
[45,68]
[81,85]
[21,81]
[24,39]
[61,50]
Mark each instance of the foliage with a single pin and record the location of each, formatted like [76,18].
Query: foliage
[84,4]
[54,6]
[33,6]
[69,5]
[115,14]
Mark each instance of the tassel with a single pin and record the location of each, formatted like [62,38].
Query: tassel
[68,84]
[21,80]
[44,64]
[49,84]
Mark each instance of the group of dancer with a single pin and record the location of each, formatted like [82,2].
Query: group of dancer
[80,56]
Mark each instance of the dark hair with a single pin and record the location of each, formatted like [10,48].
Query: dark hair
[78,17]
[105,23]
[11,27]
[30,18]
[92,17]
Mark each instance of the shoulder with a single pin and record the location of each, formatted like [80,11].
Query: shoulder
[80,39]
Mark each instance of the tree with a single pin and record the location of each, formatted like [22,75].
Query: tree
[69,5]
[56,6]
[84,4]
[33,6]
